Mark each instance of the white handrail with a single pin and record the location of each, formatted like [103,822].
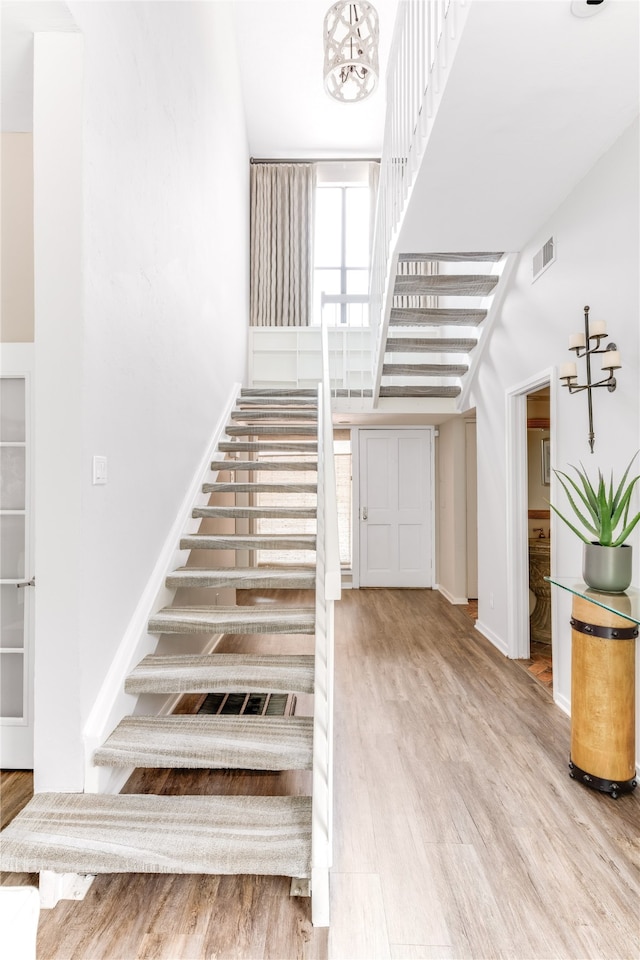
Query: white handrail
[426,34]
[328,590]
[333,584]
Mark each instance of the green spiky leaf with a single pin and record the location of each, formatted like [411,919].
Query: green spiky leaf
[586,501]
[581,517]
[570,525]
[607,505]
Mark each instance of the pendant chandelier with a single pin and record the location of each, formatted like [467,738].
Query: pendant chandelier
[350,51]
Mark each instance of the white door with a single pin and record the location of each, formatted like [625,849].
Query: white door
[16,558]
[396,511]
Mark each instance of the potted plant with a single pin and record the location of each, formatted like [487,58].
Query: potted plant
[604,513]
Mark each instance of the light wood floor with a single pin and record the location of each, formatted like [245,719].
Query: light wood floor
[458,832]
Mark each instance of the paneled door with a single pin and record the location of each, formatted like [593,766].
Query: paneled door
[396,510]
[16,559]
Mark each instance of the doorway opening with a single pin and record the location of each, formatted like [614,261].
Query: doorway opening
[522,527]
[540,660]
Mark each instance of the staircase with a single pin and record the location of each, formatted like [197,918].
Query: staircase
[274,835]
[434,322]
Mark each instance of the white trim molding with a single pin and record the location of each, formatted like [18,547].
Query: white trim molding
[457,601]
[492,637]
[518,645]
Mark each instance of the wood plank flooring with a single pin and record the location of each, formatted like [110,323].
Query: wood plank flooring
[458,832]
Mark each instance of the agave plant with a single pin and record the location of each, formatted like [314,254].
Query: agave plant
[607,512]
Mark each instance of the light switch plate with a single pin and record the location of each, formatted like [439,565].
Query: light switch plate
[99,470]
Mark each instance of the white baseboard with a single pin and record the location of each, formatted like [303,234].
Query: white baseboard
[112,703]
[492,637]
[563,702]
[457,601]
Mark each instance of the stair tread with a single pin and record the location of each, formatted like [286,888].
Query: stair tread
[223,672]
[271,465]
[201,741]
[435,316]
[271,430]
[430,345]
[299,578]
[277,392]
[446,284]
[413,390]
[305,513]
[294,399]
[284,414]
[249,541]
[259,488]
[262,618]
[255,446]
[450,257]
[425,369]
[128,833]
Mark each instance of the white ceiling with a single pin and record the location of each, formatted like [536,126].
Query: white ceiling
[288,113]
[280,50]
[535,96]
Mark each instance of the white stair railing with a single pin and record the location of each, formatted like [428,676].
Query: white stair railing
[328,590]
[354,371]
[426,35]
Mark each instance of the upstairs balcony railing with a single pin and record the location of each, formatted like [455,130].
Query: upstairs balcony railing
[425,37]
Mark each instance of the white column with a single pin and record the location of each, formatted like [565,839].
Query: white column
[57,160]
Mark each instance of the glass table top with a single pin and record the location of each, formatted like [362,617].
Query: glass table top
[625,604]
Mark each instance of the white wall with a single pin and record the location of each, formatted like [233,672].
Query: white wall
[165,303]
[451,517]
[16,314]
[596,228]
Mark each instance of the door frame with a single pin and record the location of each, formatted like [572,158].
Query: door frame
[517,527]
[355,488]
[18,360]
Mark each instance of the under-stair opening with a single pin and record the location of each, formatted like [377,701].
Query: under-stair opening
[305,501]
[298,499]
[248,704]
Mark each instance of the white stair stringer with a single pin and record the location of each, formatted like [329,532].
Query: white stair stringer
[83,834]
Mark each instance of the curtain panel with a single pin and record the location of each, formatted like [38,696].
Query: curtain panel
[281,244]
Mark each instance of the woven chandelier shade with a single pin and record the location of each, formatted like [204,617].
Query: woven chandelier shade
[351,51]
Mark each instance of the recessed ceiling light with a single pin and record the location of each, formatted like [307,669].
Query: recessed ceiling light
[587,8]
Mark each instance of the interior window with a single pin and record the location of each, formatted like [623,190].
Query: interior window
[341,253]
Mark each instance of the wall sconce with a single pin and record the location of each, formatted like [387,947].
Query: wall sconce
[585,345]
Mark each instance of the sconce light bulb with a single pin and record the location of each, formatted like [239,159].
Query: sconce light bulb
[611,360]
[568,372]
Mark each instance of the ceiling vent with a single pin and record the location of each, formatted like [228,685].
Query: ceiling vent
[544,258]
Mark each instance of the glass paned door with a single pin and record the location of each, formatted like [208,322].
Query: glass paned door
[16,735]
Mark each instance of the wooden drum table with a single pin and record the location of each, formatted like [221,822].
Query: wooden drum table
[604,628]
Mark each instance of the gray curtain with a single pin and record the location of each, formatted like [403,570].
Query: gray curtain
[281,244]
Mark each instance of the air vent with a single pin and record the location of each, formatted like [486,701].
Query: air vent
[544,258]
